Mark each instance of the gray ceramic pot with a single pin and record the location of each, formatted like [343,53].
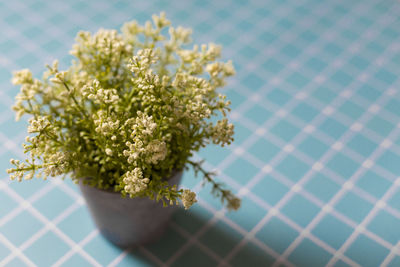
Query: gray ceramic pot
[127,222]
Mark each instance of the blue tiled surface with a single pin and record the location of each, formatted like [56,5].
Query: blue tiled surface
[316,160]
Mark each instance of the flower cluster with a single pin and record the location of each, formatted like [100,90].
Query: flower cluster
[131,109]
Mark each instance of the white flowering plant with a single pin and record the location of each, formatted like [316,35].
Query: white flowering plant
[129,111]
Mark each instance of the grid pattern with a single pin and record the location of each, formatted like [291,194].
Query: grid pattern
[316,157]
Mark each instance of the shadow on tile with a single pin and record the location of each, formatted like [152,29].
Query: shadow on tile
[215,242]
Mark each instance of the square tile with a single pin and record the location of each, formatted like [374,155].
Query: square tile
[16,230]
[332,49]
[102,250]
[187,258]
[341,263]
[48,242]
[270,190]
[167,245]
[322,187]
[220,238]
[235,98]
[374,48]
[351,110]
[296,204]
[249,214]
[248,52]
[4,251]
[366,252]
[309,254]
[241,133]
[313,147]
[341,78]
[7,204]
[205,194]
[16,262]
[193,219]
[285,130]
[251,255]
[46,203]
[277,235]
[385,76]
[380,126]
[305,112]
[374,184]
[214,153]
[343,165]
[394,201]
[386,225]
[253,82]
[267,37]
[309,36]
[258,114]
[75,260]
[336,238]
[297,80]
[354,207]
[278,97]
[368,92]
[362,145]
[285,23]
[324,95]
[315,64]
[79,217]
[390,161]
[27,188]
[292,168]
[264,150]
[333,128]
[242,171]
[359,62]
[393,106]
[272,65]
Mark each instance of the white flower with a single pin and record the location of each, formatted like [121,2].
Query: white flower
[38,125]
[160,21]
[134,181]
[22,76]
[222,132]
[188,198]
[124,124]
[109,152]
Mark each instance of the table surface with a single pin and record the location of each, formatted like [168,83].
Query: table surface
[316,158]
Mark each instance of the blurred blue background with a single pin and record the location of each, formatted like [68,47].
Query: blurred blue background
[316,158]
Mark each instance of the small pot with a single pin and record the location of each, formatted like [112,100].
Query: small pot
[128,222]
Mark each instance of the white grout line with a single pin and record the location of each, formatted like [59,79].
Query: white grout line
[119,258]
[15,250]
[76,248]
[48,224]
[346,187]
[395,250]
[361,227]
[243,232]
[22,205]
[193,239]
[278,205]
[204,248]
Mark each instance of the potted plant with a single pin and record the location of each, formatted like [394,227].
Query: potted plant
[124,120]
